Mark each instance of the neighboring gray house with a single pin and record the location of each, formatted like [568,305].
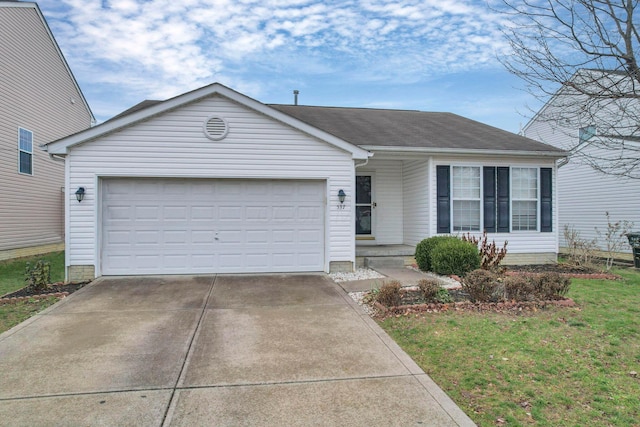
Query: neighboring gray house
[40,101]
[213,181]
[584,193]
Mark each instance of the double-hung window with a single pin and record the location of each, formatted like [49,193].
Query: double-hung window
[524,199]
[497,199]
[466,198]
[25,151]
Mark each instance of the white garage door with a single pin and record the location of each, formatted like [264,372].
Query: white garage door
[183,226]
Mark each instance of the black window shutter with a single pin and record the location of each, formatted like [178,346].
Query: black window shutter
[489,202]
[503,210]
[443,175]
[546,193]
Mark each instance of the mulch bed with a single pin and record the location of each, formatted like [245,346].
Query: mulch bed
[58,290]
[412,304]
[512,307]
[579,272]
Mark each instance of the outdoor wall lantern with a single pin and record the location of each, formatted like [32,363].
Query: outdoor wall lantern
[341,196]
[80,194]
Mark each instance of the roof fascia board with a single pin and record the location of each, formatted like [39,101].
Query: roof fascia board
[63,145]
[30,5]
[467,152]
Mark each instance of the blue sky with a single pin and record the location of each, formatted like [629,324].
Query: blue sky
[430,55]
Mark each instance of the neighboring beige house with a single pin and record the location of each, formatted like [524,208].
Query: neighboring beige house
[40,101]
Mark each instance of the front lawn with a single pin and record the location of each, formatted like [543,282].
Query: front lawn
[557,367]
[12,279]
[12,271]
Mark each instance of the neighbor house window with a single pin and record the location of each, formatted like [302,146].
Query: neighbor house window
[25,151]
[586,133]
[524,199]
[466,198]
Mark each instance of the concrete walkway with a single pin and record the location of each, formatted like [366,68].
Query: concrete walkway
[213,350]
[406,276]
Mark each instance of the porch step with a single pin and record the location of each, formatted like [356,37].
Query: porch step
[384,261]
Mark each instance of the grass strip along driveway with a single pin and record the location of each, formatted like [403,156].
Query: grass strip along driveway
[12,279]
[557,366]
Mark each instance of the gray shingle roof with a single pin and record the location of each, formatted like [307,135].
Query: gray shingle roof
[401,128]
[410,128]
[139,106]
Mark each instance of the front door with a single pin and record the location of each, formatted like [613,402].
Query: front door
[364,206]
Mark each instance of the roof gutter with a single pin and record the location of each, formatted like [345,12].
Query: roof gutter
[364,163]
[464,151]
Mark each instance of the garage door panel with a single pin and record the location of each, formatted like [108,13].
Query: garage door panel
[146,237]
[309,236]
[165,226]
[118,237]
[119,213]
[203,213]
[175,261]
[230,213]
[147,213]
[202,236]
[256,214]
[307,260]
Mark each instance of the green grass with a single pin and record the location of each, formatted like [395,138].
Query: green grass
[556,367]
[12,271]
[12,279]
[13,314]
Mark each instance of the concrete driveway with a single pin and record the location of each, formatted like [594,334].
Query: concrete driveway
[212,350]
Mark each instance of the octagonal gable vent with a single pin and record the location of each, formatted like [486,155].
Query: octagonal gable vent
[216,128]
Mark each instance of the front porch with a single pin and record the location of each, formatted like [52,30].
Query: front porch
[384,255]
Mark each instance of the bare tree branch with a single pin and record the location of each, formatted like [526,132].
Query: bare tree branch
[580,55]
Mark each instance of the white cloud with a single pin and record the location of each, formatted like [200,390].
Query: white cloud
[155,47]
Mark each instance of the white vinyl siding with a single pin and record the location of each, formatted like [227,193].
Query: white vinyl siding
[524,199]
[36,91]
[465,196]
[174,145]
[521,242]
[415,179]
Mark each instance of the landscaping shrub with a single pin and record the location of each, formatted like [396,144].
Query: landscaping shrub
[424,250]
[490,255]
[519,288]
[481,285]
[443,296]
[454,257]
[389,294]
[38,276]
[550,286]
[429,289]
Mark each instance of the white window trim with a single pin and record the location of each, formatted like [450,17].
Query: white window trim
[511,200]
[480,199]
[20,150]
